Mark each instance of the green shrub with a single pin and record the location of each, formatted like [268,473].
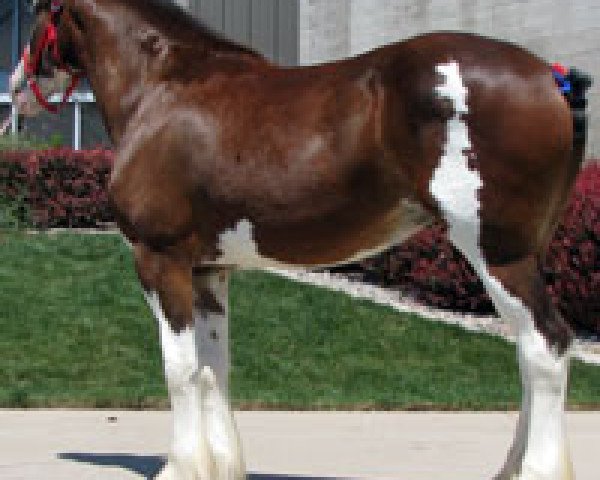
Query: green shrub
[14,213]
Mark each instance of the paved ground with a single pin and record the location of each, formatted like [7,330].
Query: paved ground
[52,445]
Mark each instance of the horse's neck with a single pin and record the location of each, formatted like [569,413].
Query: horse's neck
[125,54]
[115,67]
[117,91]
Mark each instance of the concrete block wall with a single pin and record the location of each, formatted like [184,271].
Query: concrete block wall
[567,32]
[269,26]
[324,29]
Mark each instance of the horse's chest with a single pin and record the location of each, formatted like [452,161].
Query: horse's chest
[151,203]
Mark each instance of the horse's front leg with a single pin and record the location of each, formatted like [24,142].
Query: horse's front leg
[191,310]
[219,435]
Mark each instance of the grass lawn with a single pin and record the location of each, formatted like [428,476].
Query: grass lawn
[75,332]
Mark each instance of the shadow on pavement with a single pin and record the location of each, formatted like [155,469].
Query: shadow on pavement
[148,466]
[144,465]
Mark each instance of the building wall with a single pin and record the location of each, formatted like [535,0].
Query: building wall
[324,30]
[566,32]
[270,26]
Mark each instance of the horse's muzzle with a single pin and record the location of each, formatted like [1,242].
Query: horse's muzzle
[21,97]
[18,81]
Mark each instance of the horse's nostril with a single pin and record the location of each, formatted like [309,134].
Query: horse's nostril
[16,89]
[16,86]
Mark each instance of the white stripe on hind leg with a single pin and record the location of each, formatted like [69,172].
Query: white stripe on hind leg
[547,456]
[515,456]
[540,449]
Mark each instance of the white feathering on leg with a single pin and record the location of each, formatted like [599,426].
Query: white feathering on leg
[220,431]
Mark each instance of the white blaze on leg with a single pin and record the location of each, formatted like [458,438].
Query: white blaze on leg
[547,454]
[212,333]
[220,430]
[206,443]
[517,450]
[181,371]
[540,450]
[212,324]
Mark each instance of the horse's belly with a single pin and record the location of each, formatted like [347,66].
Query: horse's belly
[308,246]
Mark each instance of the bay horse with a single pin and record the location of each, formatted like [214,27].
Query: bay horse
[225,160]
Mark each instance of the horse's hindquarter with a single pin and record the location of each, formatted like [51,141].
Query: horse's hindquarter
[518,130]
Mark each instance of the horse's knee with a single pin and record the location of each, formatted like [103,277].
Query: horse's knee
[544,336]
[520,294]
[181,371]
[548,321]
[170,280]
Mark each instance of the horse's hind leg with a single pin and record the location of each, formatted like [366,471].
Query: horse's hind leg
[191,309]
[540,449]
[483,203]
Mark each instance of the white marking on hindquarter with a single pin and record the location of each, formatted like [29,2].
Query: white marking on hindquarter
[455,187]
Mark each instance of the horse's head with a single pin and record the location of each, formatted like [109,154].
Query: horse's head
[49,61]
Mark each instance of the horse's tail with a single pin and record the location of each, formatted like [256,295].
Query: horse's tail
[580,82]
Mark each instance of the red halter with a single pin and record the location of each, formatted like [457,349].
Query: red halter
[49,41]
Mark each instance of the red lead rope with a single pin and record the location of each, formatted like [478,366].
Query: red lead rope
[49,40]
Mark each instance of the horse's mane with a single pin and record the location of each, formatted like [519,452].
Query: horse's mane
[180,25]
